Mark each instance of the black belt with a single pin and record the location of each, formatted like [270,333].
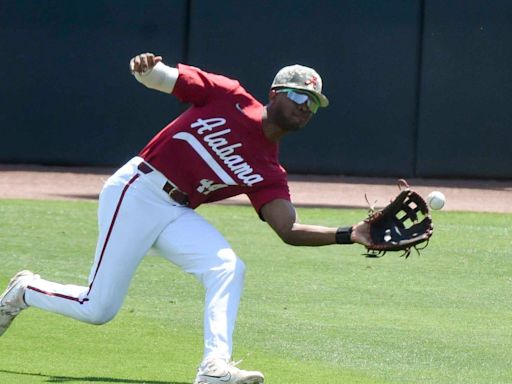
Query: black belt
[174,193]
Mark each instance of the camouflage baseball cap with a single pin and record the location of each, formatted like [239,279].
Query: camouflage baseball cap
[301,78]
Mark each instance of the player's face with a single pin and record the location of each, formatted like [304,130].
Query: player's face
[288,114]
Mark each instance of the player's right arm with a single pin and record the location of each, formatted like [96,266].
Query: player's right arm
[149,70]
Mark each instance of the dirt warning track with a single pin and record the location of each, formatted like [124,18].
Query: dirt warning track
[74,183]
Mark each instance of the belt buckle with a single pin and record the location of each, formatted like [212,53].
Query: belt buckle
[181,198]
[171,191]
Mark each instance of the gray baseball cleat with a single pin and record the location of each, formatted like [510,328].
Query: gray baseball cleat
[220,371]
[12,301]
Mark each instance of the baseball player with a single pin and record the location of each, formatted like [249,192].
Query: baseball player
[225,144]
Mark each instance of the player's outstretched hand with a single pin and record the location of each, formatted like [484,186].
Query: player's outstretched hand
[144,62]
[361,233]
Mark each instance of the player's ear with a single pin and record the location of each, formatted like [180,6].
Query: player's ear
[272,94]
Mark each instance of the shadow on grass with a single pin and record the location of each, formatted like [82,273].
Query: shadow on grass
[71,379]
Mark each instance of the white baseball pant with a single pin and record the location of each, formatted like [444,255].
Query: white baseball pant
[135,214]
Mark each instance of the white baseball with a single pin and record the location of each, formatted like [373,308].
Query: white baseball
[436,200]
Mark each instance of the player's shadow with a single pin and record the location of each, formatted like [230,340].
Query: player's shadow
[86,379]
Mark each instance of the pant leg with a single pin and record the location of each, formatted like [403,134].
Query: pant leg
[131,215]
[198,248]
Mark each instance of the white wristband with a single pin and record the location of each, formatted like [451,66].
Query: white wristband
[160,77]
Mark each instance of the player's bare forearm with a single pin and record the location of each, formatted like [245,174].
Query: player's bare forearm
[309,235]
[282,217]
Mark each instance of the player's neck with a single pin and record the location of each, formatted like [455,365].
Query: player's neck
[272,131]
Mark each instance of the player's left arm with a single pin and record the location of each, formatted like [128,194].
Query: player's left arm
[282,217]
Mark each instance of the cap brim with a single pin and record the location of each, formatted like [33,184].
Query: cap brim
[323,100]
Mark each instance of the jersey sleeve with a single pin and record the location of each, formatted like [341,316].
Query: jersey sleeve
[263,196]
[198,87]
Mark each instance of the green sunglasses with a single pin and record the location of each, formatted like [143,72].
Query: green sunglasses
[300,98]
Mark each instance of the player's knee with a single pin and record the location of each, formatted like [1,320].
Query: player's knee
[227,268]
[239,268]
[232,264]
[101,314]
[100,318]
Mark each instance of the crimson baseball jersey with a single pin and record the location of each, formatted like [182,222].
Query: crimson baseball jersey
[216,149]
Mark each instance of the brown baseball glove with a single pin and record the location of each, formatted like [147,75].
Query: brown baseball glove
[404,224]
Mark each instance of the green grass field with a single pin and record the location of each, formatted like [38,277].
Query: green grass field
[308,315]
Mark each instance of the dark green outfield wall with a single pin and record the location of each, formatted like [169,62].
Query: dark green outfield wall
[417,88]
[67,94]
[466,90]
